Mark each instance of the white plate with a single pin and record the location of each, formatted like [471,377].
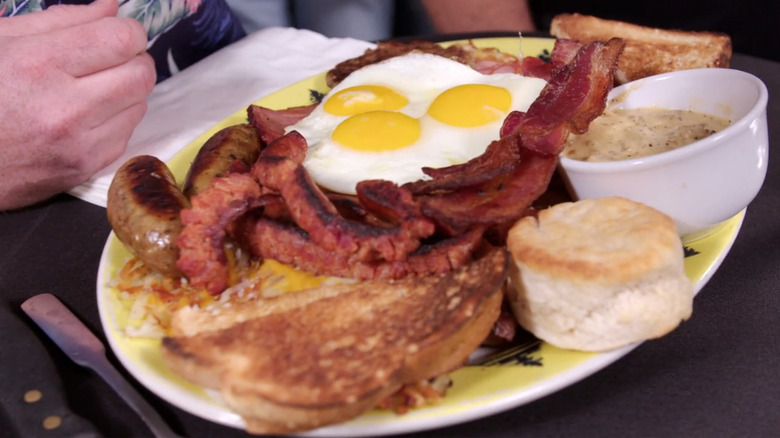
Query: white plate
[526,374]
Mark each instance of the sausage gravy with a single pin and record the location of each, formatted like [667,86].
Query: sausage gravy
[622,134]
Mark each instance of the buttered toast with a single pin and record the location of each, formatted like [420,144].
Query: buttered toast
[649,51]
[321,356]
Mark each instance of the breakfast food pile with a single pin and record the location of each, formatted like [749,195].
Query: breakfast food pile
[401,215]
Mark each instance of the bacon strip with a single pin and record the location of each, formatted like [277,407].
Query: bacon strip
[314,213]
[536,68]
[563,53]
[291,146]
[270,124]
[575,96]
[290,244]
[503,200]
[446,254]
[500,158]
[201,254]
[385,200]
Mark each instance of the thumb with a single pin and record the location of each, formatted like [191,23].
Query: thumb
[57,17]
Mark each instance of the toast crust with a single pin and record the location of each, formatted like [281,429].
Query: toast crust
[343,351]
[649,51]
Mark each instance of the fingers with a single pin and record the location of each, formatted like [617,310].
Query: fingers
[57,17]
[110,138]
[88,48]
[90,73]
[98,147]
[76,39]
[34,175]
[112,90]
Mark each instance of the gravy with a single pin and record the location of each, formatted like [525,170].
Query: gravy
[622,134]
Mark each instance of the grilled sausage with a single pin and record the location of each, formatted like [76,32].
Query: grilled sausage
[144,206]
[234,148]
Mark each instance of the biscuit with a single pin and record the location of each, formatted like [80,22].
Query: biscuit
[598,274]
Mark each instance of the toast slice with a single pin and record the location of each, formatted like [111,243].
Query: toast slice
[321,356]
[649,51]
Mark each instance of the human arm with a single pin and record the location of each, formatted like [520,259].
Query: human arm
[75,82]
[453,16]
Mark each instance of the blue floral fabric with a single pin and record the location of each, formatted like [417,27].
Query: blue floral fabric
[180,32]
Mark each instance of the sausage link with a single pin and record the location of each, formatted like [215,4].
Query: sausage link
[233,148]
[144,206]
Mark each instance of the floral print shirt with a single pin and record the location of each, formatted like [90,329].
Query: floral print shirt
[180,32]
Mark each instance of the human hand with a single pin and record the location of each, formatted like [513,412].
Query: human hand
[75,81]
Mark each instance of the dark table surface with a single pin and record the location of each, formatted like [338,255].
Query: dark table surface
[716,375]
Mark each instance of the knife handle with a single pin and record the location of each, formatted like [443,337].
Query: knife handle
[84,348]
[32,396]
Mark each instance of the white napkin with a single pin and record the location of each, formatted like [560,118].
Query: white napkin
[189,103]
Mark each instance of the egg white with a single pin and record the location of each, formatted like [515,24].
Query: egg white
[420,78]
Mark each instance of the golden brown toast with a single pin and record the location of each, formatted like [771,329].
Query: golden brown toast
[648,51]
[321,356]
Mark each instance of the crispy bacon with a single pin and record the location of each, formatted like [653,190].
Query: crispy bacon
[292,245]
[573,97]
[536,68]
[500,158]
[314,213]
[201,255]
[501,201]
[288,243]
[385,200]
[563,53]
[270,124]
[350,208]
[446,254]
[291,146]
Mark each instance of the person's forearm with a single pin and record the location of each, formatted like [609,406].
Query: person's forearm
[451,16]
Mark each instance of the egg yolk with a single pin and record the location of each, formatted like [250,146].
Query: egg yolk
[364,98]
[471,105]
[376,131]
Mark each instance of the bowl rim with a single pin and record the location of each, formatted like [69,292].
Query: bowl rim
[695,148]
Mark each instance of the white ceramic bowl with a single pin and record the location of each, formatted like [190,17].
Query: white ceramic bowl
[704,183]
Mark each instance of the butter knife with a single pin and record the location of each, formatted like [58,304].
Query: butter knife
[84,348]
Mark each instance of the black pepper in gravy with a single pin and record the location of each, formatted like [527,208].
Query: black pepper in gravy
[622,134]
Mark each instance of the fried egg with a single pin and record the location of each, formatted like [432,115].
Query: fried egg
[389,120]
